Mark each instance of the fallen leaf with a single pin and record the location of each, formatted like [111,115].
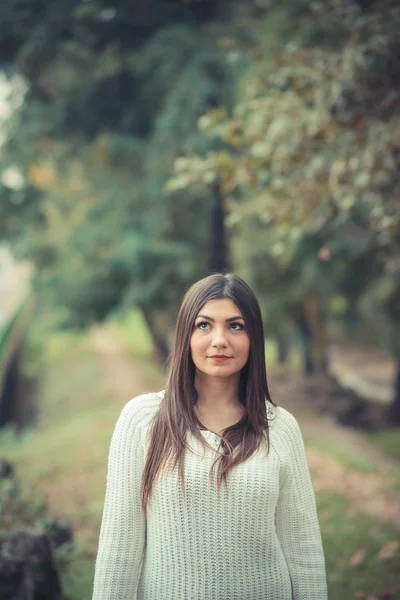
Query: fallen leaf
[389,550]
[357,558]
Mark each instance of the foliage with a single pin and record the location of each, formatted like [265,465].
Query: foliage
[105,116]
[306,161]
[26,509]
[314,136]
[311,160]
[19,509]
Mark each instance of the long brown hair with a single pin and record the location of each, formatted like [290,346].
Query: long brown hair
[176,415]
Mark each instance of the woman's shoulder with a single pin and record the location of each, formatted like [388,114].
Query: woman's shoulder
[283,424]
[141,409]
[280,415]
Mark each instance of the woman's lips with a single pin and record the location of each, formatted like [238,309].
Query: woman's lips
[220,358]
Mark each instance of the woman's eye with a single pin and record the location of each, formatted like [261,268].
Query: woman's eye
[204,325]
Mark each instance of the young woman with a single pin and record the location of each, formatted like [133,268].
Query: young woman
[209,495]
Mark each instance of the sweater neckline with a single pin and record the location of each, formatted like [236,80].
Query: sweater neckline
[209,433]
[212,438]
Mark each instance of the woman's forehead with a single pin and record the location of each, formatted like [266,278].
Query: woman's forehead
[221,307]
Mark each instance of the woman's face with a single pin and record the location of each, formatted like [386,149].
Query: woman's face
[220,343]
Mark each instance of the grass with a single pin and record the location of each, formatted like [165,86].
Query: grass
[351,461]
[132,330]
[352,544]
[66,459]
[65,456]
[386,441]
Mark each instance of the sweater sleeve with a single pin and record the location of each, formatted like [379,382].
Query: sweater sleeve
[122,533]
[297,523]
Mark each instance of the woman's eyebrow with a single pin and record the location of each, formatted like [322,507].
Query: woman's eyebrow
[228,320]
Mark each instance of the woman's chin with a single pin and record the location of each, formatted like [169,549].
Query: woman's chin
[218,371]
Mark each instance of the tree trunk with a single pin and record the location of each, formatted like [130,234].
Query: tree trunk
[394,411]
[160,343]
[219,260]
[314,318]
[283,349]
[7,397]
[306,343]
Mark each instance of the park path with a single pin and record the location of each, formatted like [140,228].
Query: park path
[122,376]
[373,493]
[294,392]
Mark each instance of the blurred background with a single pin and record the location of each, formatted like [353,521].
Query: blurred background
[144,146]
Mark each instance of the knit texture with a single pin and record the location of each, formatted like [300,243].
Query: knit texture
[258,540]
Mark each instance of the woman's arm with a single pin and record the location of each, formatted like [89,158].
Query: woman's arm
[296,520]
[123,526]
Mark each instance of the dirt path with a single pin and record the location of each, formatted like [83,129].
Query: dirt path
[292,392]
[69,490]
[372,493]
[121,376]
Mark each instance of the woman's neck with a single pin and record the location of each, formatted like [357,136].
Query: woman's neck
[218,394]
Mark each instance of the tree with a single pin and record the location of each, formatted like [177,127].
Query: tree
[312,151]
[107,112]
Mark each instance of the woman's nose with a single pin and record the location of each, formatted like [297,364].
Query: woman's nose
[219,338]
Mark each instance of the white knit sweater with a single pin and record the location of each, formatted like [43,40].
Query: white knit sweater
[258,540]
